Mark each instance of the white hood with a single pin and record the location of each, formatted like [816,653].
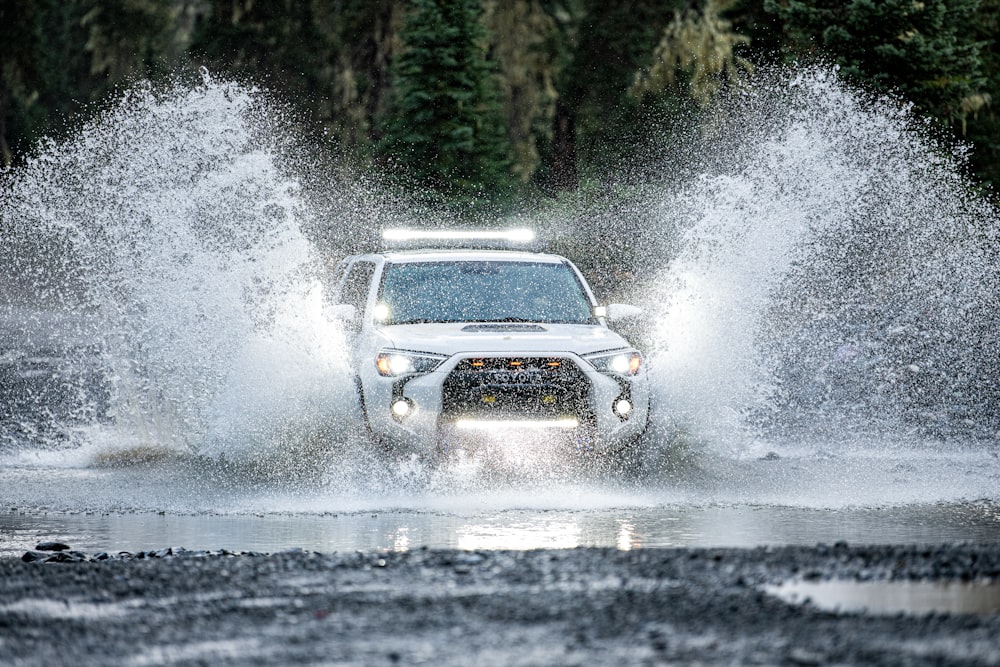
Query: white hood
[464,337]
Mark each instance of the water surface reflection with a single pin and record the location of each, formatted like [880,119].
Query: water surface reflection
[621,528]
[892,597]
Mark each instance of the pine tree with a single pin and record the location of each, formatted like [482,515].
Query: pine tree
[522,42]
[984,125]
[597,124]
[699,45]
[925,51]
[45,72]
[446,133]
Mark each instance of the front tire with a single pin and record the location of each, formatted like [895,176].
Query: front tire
[369,433]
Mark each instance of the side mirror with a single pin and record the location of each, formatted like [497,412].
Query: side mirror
[619,312]
[343,312]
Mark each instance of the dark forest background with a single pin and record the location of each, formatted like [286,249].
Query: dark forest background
[492,100]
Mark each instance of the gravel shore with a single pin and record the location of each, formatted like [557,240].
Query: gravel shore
[570,607]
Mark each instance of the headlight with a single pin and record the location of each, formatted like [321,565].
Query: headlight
[393,363]
[627,362]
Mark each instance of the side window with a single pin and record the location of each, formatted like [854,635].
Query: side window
[337,280]
[359,278]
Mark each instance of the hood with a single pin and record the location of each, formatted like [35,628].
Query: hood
[454,338]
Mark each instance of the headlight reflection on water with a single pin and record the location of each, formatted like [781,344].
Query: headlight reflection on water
[521,536]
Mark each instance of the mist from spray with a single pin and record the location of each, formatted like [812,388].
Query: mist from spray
[172,227]
[836,276]
[819,272]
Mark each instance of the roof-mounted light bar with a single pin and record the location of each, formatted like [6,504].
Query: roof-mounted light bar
[510,235]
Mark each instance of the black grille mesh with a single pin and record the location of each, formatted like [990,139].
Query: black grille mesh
[516,388]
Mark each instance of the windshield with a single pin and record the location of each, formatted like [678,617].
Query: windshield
[482,291]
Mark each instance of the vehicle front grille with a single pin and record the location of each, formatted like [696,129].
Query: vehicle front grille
[516,388]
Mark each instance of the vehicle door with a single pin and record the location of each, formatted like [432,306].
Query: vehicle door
[356,292]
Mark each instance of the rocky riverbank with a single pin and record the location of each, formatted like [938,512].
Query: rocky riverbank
[445,607]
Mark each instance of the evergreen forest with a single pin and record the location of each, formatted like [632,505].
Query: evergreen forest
[496,100]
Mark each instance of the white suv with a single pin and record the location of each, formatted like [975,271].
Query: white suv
[451,345]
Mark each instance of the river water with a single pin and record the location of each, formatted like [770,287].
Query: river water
[820,283]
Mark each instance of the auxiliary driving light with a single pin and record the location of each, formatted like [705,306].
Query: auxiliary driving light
[401,407]
[623,407]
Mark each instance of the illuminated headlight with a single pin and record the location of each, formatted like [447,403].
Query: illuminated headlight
[618,363]
[623,407]
[393,363]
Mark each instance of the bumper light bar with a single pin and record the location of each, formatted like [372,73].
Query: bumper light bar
[507,424]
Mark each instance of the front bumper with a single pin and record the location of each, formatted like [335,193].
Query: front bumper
[508,394]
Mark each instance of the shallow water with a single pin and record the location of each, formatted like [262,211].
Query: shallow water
[735,503]
[821,294]
[403,529]
[893,597]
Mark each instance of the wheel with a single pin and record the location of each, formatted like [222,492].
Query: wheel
[366,423]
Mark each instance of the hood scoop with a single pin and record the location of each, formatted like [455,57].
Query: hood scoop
[504,327]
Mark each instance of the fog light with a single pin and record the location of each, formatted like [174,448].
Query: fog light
[623,407]
[401,407]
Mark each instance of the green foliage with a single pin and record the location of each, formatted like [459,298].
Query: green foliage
[523,40]
[446,132]
[60,56]
[44,71]
[329,59]
[279,44]
[983,126]
[599,125]
[700,46]
[130,39]
[927,51]
[472,100]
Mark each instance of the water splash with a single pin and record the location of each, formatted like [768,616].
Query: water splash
[821,269]
[837,275]
[171,227]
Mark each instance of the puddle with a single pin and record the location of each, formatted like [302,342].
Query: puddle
[893,597]
[271,523]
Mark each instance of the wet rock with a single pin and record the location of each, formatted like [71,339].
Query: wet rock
[672,606]
[52,546]
[64,557]
[33,556]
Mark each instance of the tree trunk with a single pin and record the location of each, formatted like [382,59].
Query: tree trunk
[5,155]
[564,174]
